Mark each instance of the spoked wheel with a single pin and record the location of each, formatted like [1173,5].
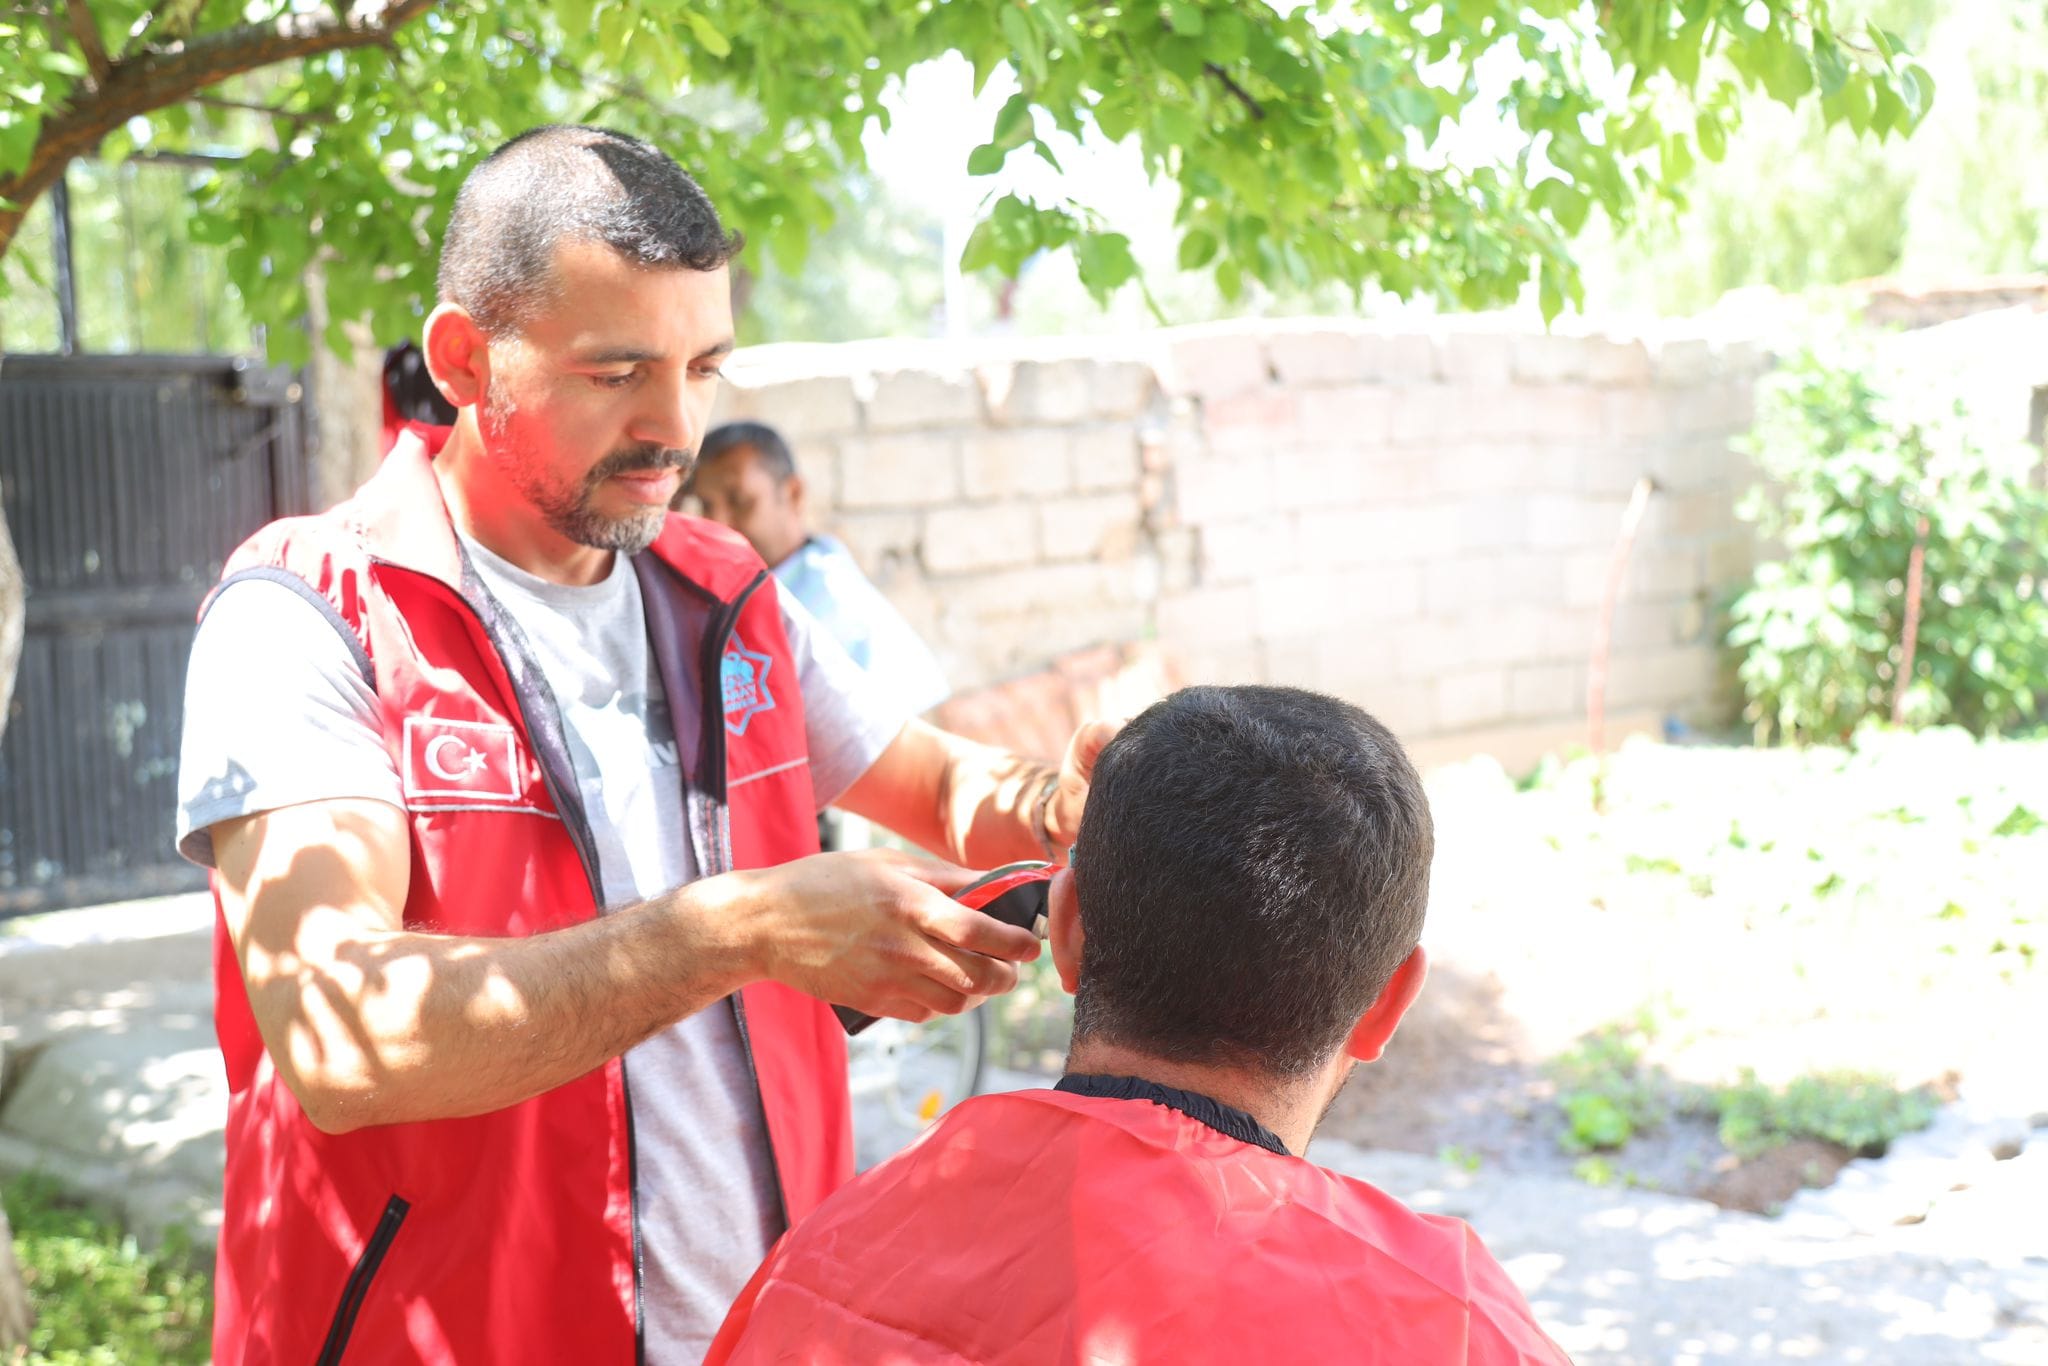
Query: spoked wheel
[904,1076]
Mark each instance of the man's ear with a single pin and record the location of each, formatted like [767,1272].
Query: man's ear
[1374,1028]
[1063,928]
[458,355]
[793,493]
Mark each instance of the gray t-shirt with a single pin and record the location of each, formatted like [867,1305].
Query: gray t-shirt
[278,713]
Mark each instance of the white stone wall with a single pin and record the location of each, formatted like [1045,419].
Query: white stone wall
[1417,519]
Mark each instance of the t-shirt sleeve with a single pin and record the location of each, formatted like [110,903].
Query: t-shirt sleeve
[849,717]
[279,710]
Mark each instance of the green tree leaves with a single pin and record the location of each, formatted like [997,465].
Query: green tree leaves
[1450,150]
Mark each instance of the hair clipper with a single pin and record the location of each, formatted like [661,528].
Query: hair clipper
[1014,894]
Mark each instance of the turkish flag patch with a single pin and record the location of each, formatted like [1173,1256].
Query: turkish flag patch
[476,760]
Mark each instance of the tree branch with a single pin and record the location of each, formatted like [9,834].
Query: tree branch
[1243,95]
[86,34]
[161,79]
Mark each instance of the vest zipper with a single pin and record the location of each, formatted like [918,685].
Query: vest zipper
[357,1286]
[716,637]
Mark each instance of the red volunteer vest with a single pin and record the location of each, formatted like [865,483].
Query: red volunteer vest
[509,1237]
[1040,1228]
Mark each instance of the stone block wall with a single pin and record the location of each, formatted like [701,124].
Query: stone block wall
[1420,519]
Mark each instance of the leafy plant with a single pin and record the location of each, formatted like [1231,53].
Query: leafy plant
[1604,1092]
[1861,1112]
[99,1299]
[1862,469]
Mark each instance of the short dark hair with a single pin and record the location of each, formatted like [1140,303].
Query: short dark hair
[1252,867]
[758,437]
[566,183]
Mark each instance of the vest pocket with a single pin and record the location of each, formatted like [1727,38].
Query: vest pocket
[358,1284]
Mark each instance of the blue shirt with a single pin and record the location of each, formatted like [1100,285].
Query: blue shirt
[822,575]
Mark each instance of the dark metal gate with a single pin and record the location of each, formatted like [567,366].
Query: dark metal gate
[128,480]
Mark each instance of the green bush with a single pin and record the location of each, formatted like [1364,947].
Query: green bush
[99,1299]
[1859,1112]
[1854,459]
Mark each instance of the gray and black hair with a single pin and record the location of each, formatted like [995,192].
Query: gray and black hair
[565,183]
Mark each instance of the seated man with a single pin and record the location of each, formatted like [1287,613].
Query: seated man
[1239,929]
[746,479]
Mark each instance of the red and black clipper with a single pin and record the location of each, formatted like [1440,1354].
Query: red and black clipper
[1014,894]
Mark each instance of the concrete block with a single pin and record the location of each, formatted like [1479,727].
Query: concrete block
[1241,552]
[969,602]
[1472,698]
[1683,361]
[876,537]
[1492,523]
[1634,414]
[1541,692]
[958,539]
[908,400]
[1561,522]
[1031,462]
[1608,468]
[1090,526]
[1034,393]
[1663,678]
[1250,418]
[1617,362]
[1538,358]
[1308,602]
[1677,516]
[1452,585]
[1207,617]
[1480,358]
[1406,707]
[1693,464]
[1121,389]
[1422,414]
[911,469]
[1215,363]
[1321,357]
[1105,458]
[1206,490]
[1359,415]
[1343,537]
[798,408]
[1397,357]
[1329,477]
[1721,408]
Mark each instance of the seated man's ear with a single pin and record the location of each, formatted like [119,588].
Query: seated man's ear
[1369,1038]
[1063,928]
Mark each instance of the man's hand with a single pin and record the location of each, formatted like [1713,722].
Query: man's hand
[1063,812]
[878,930]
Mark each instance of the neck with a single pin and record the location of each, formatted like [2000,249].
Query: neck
[1290,1109]
[485,507]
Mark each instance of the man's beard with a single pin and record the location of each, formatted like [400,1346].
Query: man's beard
[571,512]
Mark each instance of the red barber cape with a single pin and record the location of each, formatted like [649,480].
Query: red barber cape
[1043,1227]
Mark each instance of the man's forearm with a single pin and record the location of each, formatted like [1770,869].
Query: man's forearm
[969,802]
[398,1025]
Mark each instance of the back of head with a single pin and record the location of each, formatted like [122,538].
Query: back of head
[1252,867]
[556,184]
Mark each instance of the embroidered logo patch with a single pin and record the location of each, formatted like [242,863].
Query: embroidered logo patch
[743,679]
[473,759]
